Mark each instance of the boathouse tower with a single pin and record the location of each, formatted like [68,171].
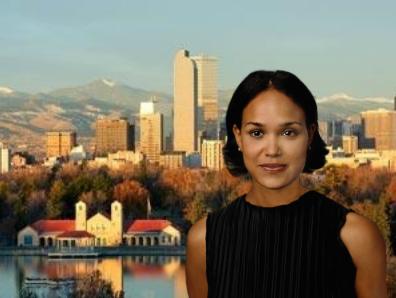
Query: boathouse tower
[117,222]
[81,216]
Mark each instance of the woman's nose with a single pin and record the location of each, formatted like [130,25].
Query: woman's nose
[271,146]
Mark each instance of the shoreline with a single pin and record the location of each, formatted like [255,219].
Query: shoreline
[103,251]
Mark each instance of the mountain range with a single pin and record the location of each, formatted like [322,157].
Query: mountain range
[25,116]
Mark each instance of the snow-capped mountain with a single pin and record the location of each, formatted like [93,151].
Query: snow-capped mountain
[5,90]
[24,114]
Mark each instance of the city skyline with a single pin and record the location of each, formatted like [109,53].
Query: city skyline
[332,48]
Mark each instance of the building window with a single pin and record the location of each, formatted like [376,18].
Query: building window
[80,208]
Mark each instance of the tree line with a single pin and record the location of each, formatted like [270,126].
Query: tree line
[182,196]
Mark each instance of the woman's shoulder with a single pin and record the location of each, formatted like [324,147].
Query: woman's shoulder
[367,247]
[198,230]
[196,262]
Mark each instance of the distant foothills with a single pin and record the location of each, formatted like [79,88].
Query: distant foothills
[24,116]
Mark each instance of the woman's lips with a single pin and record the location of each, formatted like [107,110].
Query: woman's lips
[274,170]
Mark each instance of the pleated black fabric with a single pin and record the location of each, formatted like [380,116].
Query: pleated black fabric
[291,251]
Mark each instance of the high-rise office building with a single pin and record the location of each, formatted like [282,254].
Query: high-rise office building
[114,134]
[151,132]
[223,129]
[195,100]
[379,129]
[356,124]
[185,103]
[207,93]
[168,142]
[336,129]
[60,143]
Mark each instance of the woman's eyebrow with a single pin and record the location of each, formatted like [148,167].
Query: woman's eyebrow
[280,125]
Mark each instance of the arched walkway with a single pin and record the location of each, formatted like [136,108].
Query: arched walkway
[50,242]
[42,241]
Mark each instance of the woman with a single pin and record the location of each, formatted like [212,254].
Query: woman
[281,239]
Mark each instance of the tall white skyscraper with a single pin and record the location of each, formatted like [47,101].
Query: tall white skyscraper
[195,100]
[185,103]
[207,93]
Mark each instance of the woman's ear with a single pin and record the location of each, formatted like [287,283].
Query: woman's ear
[311,133]
[237,134]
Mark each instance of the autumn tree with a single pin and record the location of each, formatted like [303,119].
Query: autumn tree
[103,183]
[96,201]
[133,197]
[55,202]
[333,179]
[80,184]
[9,206]
[3,199]
[20,199]
[68,172]
[196,209]
[36,204]
[391,190]
[185,182]
[381,218]
[365,183]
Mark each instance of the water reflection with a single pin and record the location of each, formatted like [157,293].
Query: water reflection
[138,276]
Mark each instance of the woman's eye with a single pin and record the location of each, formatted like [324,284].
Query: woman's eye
[254,132]
[291,131]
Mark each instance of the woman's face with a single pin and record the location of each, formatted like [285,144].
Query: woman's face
[268,140]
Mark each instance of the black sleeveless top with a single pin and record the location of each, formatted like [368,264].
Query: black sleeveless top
[292,250]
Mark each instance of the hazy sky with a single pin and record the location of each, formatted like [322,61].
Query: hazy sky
[333,46]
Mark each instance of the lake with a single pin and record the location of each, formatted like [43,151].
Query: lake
[138,276]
